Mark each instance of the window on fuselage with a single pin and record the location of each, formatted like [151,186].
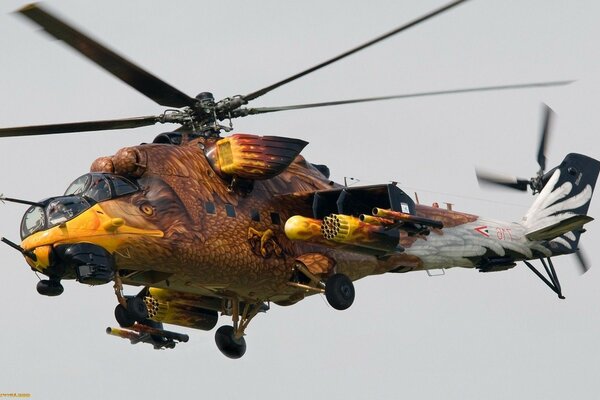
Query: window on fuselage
[210,208]
[230,210]
[275,218]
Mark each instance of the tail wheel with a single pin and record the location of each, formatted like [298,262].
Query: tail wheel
[228,344]
[339,291]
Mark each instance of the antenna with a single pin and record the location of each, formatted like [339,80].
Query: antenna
[30,203]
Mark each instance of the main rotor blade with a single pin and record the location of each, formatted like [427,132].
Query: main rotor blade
[141,80]
[86,126]
[486,178]
[258,93]
[546,125]
[262,110]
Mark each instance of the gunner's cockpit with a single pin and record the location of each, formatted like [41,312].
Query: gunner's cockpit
[82,194]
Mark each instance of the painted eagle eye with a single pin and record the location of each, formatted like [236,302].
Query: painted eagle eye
[147,209]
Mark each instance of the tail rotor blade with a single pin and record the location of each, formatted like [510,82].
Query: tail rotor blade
[486,178]
[546,124]
[582,261]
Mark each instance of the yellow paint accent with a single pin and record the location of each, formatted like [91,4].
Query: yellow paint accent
[302,228]
[161,294]
[235,157]
[91,226]
[113,224]
[42,254]
[225,154]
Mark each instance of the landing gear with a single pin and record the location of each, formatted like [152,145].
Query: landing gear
[338,288]
[339,291]
[228,344]
[50,287]
[230,339]
[131,309]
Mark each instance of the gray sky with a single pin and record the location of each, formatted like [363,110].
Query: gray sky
[465,335]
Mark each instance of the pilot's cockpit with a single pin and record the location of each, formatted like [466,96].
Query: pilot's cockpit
[100,187]
[84,192]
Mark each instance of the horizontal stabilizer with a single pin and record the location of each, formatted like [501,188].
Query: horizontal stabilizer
[573,223]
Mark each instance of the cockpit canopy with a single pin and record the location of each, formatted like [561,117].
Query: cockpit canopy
[84,192]
[100,187]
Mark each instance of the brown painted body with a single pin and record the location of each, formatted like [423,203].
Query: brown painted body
[212,253]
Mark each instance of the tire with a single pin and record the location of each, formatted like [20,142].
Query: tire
[122,316]
[49,288]
[339,291]
[137,308]
[228,344]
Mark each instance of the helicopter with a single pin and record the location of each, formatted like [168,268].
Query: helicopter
[209,224]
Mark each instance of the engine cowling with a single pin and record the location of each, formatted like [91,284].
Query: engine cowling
[252,157]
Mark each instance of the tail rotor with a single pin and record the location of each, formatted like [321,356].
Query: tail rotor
[559,212]
[536,183]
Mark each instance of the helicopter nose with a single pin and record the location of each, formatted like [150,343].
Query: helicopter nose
[89,238]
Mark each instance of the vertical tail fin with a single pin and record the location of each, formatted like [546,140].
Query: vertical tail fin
[560,210]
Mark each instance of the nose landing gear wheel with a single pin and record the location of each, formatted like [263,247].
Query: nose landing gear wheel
[49,287]
[228,344]
[339,291]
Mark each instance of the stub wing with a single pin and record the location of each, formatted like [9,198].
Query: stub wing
[549,232]
[365,219]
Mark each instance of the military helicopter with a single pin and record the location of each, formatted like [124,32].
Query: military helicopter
[211,225]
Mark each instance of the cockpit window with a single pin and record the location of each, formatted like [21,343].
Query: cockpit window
[63,209]
[100,187]
[121,185]
[85,191]
[79,185]
[33,221]
[56,211]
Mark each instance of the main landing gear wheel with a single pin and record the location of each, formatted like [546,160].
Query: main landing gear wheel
[339,291]
[136,306]
[122,316]
[228,344]
[136,311]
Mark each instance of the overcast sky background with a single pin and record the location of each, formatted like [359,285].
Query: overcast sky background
[464,335]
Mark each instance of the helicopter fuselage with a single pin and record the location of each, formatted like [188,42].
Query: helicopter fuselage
[188,229]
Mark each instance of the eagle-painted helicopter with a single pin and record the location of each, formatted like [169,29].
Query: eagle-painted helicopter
[211,225]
